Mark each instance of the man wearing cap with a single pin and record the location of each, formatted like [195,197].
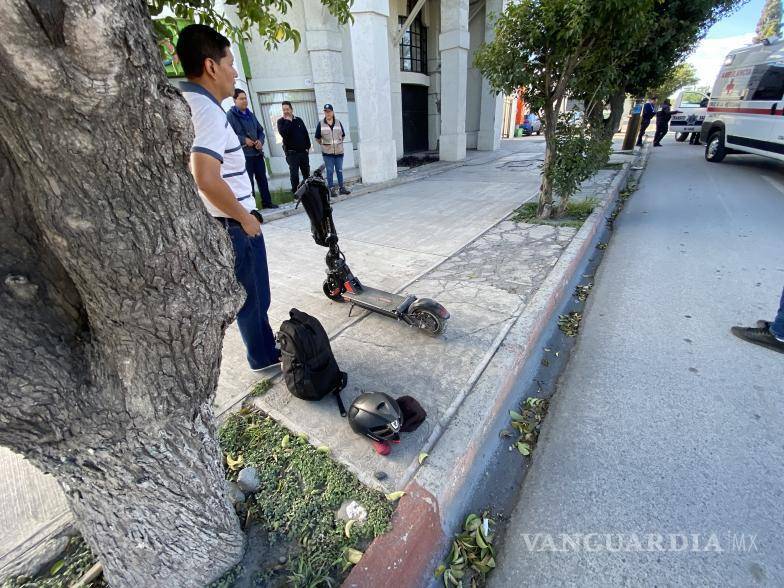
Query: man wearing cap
[330,134]
[296,144]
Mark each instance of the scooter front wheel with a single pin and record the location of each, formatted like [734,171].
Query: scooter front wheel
[332,292]
[429,322]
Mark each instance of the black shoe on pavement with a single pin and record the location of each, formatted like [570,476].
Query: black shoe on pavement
[759,336]
[657,144]
[764,324]
[639,144]
[344,190]
[273,205]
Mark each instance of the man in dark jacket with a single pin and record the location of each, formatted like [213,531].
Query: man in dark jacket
[663,122]
[648,112]
[296,144]
[251,136]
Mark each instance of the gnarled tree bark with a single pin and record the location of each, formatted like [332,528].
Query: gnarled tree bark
[115,291]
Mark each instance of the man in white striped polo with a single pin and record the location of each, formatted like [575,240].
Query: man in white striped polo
[218,166]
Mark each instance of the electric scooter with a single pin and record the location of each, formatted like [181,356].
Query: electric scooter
[341,285]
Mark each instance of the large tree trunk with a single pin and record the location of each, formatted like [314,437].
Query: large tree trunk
[613,124]
[545,208]
[115,291]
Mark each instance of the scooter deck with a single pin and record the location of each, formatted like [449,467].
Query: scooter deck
[375,299]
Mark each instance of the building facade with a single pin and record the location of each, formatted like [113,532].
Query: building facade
[400,77]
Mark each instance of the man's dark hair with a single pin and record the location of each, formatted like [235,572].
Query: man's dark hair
[654,97]
[287,103]
[237,92]
[196,43]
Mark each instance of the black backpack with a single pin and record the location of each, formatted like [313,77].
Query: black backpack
[309,367]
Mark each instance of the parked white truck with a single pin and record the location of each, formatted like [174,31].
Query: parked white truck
[693,106]
[746,109]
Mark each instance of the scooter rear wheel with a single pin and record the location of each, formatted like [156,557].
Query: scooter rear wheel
[332,292]
[429,322]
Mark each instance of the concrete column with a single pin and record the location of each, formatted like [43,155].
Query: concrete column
[491,112]
[370,48]
[324,43]
[453,44]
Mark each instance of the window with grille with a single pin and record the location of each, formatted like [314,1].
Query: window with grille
[413,46]
[304,104]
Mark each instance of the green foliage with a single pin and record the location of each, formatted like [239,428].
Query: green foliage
[678,77]
[65,572]
[582,151]
[301,490]
[673,28]
[574,216]
[262,15]
[769,24]
[554,48]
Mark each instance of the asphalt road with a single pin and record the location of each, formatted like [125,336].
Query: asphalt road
[666,431]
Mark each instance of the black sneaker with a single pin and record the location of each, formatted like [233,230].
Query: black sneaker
[272,205]
[333,192]
[344,190]
[764,325]
[657,144]
[759,336]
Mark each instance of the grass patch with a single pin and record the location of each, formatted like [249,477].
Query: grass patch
[301,490]
[613,165]
[574,216]
[295,539]
[261,388]
[281,196]
[66,571]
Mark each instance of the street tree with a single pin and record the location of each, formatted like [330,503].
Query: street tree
[680,76]
[553,48]
[117,287]
[674,27]
[769,24]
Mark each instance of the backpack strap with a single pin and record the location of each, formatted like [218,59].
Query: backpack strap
[336,392]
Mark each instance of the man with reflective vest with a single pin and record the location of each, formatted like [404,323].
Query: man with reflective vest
[330,134]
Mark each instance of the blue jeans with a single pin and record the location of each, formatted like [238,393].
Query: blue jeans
[250,267]
[255,166]
[777,328]
[334,162]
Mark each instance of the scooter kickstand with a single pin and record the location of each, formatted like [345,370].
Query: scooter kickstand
[350,309]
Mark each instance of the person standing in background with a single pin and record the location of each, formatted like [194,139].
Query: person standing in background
[330,135]
[251,136]
[296,144]
[648,112]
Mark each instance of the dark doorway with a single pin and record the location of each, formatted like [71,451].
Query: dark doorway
[414,100]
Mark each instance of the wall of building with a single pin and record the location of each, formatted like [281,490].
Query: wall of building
[476,28]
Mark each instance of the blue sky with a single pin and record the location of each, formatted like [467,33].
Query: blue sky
[742,21]
[730,33]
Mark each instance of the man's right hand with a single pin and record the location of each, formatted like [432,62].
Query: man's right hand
[251,225]
[250,142]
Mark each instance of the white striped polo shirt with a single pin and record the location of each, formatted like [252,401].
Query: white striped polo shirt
[214,137]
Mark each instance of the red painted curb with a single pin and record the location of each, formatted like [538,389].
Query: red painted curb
[404,555]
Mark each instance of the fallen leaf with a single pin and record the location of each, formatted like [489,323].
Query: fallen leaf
[285,441]
[524,448]
[347,530]
[353,555]
[234,464]
[422,457]
[392,496]
[439,570]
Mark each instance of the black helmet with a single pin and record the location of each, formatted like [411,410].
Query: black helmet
[376,415]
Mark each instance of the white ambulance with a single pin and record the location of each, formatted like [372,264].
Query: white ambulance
[746,109]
